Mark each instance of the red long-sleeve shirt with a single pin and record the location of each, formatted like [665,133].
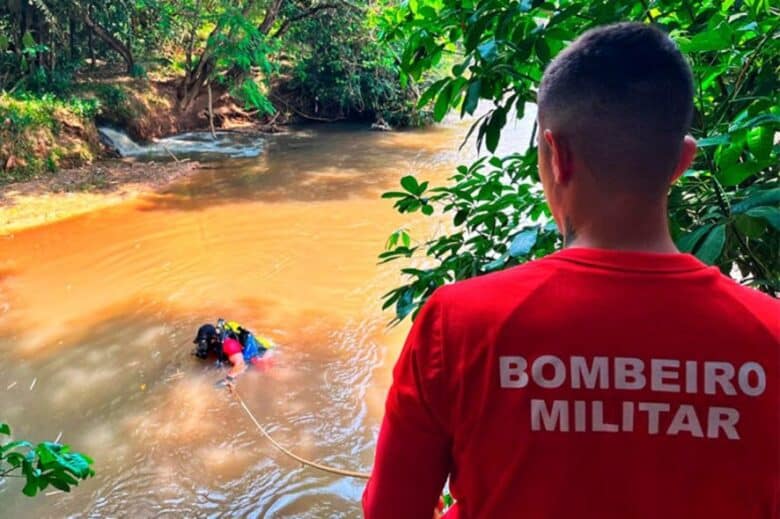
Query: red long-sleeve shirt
[591,383]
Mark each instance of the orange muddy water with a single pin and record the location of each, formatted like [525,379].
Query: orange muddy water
[98,313]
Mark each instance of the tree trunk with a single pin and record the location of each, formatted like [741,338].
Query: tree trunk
[111,40]
[191,86]
[91,43]
[40,36]
[24,24]
[211,113]
[52,51]
[194,81]
[72,39]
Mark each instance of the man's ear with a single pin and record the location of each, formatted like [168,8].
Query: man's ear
[687,154]
[560,157]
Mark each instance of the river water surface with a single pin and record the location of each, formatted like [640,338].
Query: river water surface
[98,313]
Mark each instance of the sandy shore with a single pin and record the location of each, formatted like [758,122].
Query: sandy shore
[82,190]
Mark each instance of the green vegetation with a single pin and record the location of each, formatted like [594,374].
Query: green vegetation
[142,60]
[41,465]
[725,209]
[42,133]
[347,73]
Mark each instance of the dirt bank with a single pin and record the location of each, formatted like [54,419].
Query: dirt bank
[81,190]
[148,109]
[40,134]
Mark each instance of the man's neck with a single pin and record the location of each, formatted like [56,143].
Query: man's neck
[621,227]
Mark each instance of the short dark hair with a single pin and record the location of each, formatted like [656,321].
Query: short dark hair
[622,96]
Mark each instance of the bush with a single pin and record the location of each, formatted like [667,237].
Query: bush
[29,126]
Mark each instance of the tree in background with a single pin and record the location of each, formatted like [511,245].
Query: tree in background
[41,40]
[725,209]
[344,70]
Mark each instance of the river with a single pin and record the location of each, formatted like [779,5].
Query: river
[98,313]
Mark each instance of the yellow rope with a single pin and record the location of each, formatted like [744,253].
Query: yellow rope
[313,464]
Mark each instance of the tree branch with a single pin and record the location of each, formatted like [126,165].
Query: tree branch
[104,34]
[305,14]
[270,16]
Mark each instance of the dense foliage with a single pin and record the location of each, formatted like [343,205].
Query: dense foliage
[346,72]
[724,209]
[41,465]
[329,48]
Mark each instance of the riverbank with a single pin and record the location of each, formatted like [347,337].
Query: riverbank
[44,134]
[76,191]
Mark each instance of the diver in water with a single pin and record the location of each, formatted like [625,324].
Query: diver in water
[230,342]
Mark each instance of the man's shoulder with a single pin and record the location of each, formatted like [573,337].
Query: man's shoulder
[762,307]
[485,291]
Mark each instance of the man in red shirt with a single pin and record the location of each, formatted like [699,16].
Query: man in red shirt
[616,378]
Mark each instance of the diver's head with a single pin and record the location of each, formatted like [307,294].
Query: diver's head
[220,326]
[206,341]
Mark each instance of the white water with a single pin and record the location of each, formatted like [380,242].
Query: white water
[194,145]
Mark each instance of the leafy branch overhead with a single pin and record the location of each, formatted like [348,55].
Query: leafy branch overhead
[725,209]
[41,465]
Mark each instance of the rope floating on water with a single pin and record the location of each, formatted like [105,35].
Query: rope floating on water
[287,452]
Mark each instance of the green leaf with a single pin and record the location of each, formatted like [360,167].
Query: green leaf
[711,40]
[394,194]
[405,303]
[31,487]
[542,50]
[488,50]
[749,226]
[712,246]
[713,140]
[427,209]
[523,243]
[431,92]
[737,173]
[759,120]
[472,97]
[410,184]
[765,197]
[15,459]
[442,104]
[727,156]
[60,485]
[14,445]
[475,32]
[687,242]
[493,129]
[496,264]
[770,214]
[3,42]
[28,42]
[759,141]
[5,429]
